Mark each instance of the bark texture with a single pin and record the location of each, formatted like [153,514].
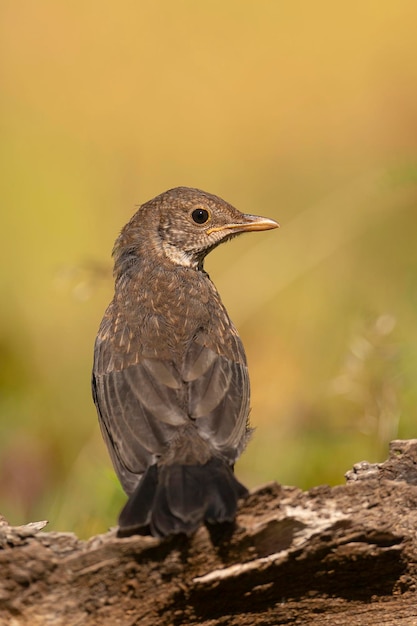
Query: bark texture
[341,555]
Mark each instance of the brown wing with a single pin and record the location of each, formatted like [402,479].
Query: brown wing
[218,396]
[138,412]
[141,407]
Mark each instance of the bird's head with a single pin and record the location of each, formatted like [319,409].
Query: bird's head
[184,225]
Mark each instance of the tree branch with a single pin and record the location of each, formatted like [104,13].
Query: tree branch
[341,555]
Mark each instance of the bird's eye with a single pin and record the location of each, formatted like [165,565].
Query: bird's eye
[200,216]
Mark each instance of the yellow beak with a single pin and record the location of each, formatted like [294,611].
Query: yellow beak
[248,223]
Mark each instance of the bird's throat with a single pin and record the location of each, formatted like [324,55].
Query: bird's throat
[179,257]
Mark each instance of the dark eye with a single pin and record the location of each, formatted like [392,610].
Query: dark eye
[200,216]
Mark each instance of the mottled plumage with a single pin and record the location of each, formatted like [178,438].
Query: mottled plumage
[170,379]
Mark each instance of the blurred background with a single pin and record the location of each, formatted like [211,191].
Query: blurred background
[305,112]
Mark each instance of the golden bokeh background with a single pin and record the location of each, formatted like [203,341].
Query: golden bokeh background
[305,112]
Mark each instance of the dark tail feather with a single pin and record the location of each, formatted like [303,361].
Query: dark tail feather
[136,513]
[173,499]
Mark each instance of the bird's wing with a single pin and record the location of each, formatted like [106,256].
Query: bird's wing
[138,410]
[142,401]
[218,396]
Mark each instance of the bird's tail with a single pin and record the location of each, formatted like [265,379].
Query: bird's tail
[172,499]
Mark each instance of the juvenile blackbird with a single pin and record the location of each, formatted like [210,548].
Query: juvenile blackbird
[170,380]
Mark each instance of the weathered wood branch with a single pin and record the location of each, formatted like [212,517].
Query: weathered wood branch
[342,555]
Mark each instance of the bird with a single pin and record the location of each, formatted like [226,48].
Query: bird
[170,378]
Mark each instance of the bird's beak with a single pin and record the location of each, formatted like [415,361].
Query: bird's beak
[247,223]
